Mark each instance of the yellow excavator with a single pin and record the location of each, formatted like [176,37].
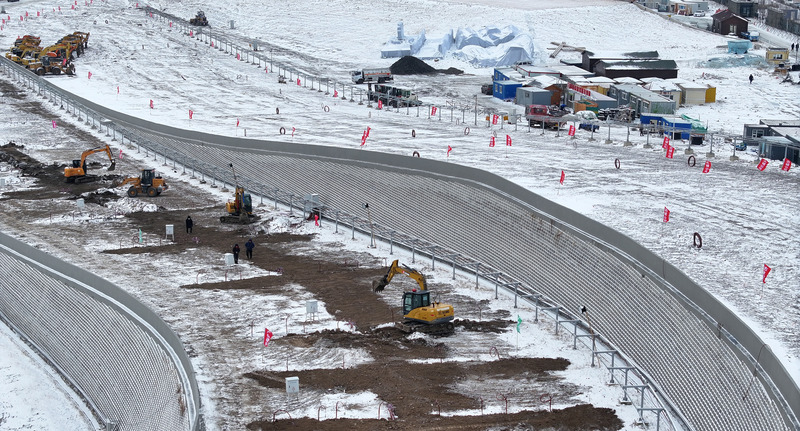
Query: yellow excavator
[148,183]
[419,313]
[240,210]
[77,172]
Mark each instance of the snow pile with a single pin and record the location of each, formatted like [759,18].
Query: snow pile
[728,61]
[128,205]
[485,47]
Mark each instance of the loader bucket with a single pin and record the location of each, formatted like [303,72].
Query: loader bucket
[113,166]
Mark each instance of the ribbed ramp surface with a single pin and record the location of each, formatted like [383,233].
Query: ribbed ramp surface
[707,382]
[126,373]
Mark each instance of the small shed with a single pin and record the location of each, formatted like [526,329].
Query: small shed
[665,88]
[777,56]
[692,93]
[504,74]
[739,46]
[641,99]
[506,90]
[726,22]
[533,96]
[744,8]
[670,125]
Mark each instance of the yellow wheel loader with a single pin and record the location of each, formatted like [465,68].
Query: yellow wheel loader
[148,183]
[420,314]
[77,172]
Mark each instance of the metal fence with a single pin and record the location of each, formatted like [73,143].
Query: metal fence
[685,349]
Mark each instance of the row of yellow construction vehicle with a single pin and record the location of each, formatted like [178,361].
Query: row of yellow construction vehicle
[147,183]
[54,59]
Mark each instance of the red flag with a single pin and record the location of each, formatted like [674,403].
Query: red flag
[665,143]
[117,89]
[368,129]
[298,81]
[666,215]
[316,220]
[363,138]
[670,152]
[212,43]
[380,104]
[335,93]
[706,167]
[433,111]
[170,24]
[571,131]
[267,336]
[491,141]
[191,113]
[90,75]
[191,33]
[54,124]
[767,269]
[561,181]
[508,140]
[238,57]
[237,122]
[787,164]
[151,103]
[494,118]
[120,153]
[293,132]
[762,164]
[449,149]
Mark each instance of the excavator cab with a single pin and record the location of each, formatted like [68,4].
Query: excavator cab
[414,299]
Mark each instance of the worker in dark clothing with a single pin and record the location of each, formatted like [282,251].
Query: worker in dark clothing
[248,248]
[236,253]
[751,78]
[189,224]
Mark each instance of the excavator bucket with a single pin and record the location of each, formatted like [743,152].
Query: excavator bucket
[113,166]
[378,285]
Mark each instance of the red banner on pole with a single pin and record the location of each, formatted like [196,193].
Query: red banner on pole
[561,181]
[293,129]
[666,215]
[571,131]
[449,149]
[237,122]
[787,164]
[762,164]
[670,152]
[335,93]
[316,219]
[90,75]
[665,143]
[267,336]
[508,140]
[380,104]
[54,124]
[151,103]
[117,89]
[433,111]
[494,118]
[767,269]
[191,33]
[238,56]
[298,81]
[191,113]
[706,167]
[491,141]
[363,138]
[368,129]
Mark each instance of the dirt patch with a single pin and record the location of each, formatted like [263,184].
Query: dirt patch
[416,375]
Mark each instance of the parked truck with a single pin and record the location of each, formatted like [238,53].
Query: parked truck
[752,36]
[371,75]
[545,116]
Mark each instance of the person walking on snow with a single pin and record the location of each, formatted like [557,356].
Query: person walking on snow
[236,253]
[189,224]
[248,248]
[751,78]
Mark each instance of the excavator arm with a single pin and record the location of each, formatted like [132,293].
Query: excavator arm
[394,269]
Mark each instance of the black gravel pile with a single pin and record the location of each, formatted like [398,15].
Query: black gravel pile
[410,65]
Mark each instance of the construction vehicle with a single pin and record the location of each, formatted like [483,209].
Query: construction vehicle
[545,116]
[77,172]
[74,42]
[419,313]
[199,19]
[84,36]
[392,96]
[148,183]
[371,75]
[54,60]
[240,210]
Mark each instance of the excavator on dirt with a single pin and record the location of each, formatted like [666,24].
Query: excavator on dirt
[148,183]
[77,172]
[240,210]
[419,313]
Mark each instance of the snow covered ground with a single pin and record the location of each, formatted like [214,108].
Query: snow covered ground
[745,216]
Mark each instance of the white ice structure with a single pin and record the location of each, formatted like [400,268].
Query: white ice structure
[484,47]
